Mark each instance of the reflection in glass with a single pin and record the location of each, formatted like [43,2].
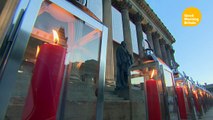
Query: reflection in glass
[137,94]
[79,68]
[168,78]
[172,105]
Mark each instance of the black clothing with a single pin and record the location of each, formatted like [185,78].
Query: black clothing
[124,61]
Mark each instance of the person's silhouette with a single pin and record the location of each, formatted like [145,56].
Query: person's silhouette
[124,61]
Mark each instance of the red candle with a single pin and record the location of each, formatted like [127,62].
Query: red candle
[154,112]
[44,92]
[181,103]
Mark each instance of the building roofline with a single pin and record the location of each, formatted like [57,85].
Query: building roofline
[155,19]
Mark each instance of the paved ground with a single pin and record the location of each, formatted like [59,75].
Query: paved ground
[208,115]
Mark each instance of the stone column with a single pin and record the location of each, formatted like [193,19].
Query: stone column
[172,54]
[125,6]
[156,44]
[148,30]
[168,47]
[6,16]
[107,19]
[175,64]
[137,20]
[163,50]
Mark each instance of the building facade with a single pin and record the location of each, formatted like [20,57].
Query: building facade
[90,31]
[134,22]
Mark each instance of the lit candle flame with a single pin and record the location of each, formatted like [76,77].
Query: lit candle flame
[195,93]
[55,37]
[79,65]
[186,90]
[152,74]
[177,84]
[201,93]
[37,51]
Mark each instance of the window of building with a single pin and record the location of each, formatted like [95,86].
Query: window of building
[145,44]
[117,27]
[134,37]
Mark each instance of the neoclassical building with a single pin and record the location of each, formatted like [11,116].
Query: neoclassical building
[73,76]
[134,21]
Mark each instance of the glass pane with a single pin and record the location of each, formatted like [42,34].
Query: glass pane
[137,95]
[58,69]
[172,105]
[168,78]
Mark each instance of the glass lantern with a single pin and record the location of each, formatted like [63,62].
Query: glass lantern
[152,88]
[55,68]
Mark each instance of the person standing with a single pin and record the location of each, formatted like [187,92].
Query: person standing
[123,62]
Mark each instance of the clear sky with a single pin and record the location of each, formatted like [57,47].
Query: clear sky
[194,45]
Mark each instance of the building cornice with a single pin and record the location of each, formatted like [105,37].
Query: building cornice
[155,19]
[141,7]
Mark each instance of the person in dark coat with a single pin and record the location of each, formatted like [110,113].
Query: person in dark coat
[124,61]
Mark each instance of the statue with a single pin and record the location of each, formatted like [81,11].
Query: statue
[124,61]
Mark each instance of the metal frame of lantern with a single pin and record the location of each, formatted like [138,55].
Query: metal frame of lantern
[175,104]
[181,94]
[208,99]
[206,107]
[191,85]
[24,20]
[202,94]
[201,97]
[159,66]
[197,98]
[182,82]
[152,65]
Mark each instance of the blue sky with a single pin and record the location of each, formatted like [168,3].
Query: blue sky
[194,45]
